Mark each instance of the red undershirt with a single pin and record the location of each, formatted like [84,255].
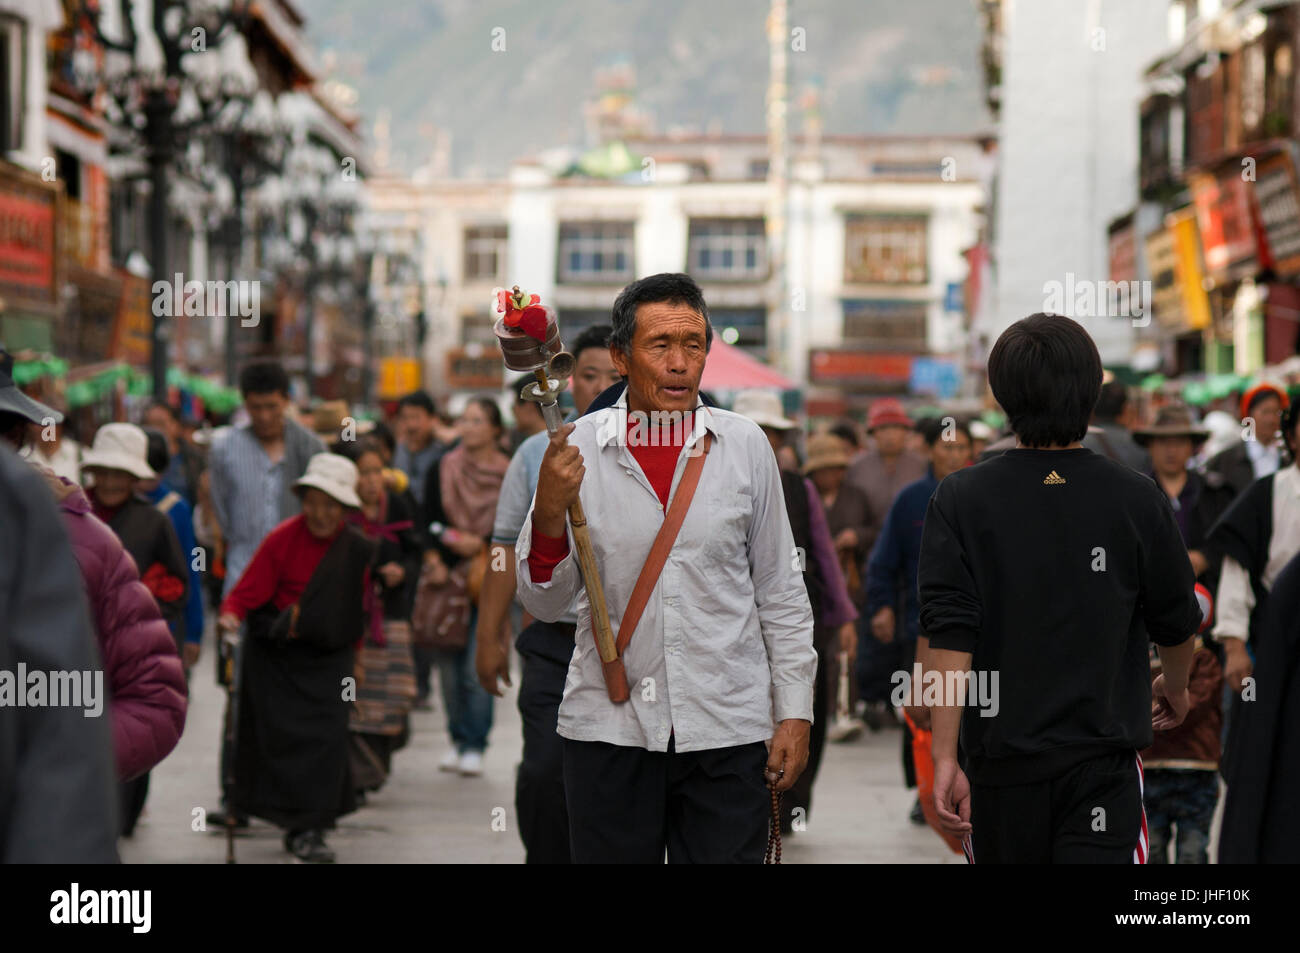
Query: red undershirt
[658,459]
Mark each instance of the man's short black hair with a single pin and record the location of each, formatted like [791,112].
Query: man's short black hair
[263,377]
[669,287]
[517,386]
[157,456]
[172,412]
[1045,371]
[417,398]
[845,430]
[1111,402]
[383,434]
[597,335]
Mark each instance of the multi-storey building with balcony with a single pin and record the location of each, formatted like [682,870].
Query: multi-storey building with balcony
[866,299]
[1218,206]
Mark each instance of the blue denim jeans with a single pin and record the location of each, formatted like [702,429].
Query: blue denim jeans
[468,706]
[1183,799]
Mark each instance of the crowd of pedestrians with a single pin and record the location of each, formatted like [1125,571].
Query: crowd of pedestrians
[345,563]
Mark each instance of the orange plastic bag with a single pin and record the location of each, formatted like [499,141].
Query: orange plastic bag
[923,760]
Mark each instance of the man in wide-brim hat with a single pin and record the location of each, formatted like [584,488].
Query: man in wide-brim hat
[1173,420]
[1198,500]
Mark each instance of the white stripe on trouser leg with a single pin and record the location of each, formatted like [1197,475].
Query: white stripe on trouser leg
[1140,851]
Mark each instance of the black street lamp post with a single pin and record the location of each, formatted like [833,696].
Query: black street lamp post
[147,96]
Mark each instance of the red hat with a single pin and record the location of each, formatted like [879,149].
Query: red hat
[1259,392]
[886,412]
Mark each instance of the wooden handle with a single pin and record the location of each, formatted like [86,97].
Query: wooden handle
[591,579]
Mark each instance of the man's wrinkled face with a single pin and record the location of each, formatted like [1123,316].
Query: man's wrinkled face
[266,414]
[594,373]
[665,361]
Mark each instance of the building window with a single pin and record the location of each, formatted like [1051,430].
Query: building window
[13,43]
[573,321]
[476,328]
[884,325]
[596,252]
[746,328]
[885,250]
[68,169]
[727,249]
[758,168]
[485,253]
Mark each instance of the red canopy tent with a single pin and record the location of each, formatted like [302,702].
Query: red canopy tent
[728,368]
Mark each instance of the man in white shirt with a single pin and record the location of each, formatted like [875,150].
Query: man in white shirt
[721,665]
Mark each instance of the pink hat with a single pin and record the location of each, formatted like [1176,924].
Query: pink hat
[886,412]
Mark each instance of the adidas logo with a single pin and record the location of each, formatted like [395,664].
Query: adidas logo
[1053,478]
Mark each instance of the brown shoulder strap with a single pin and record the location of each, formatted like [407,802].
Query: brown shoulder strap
[663,545]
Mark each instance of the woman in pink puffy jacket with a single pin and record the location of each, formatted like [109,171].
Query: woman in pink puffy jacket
[146,682]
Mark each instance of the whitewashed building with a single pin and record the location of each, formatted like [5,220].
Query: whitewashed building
[877,228]
[1071,82]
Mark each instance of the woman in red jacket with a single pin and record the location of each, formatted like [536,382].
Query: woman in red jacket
[301,602]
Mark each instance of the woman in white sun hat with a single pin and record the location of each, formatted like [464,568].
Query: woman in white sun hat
[301,598]
[117,462]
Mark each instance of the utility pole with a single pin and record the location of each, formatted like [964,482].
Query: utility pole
[778,178]
[158,133]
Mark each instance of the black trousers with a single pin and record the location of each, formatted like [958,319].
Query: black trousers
[628,805]
[544,651]
[1091,814]
[132,795]
[800,795]
[423,657]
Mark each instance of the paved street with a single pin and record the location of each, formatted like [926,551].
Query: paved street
[424,816]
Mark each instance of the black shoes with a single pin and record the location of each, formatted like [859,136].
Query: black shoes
[309,847]
[216,822]
[917,816]
[874,714]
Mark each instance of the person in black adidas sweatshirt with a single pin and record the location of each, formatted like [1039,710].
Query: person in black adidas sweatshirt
[1043,573]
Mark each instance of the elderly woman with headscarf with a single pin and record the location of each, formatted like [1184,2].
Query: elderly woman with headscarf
[386,691]
[302,600]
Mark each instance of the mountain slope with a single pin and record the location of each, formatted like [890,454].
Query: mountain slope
[883,66]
